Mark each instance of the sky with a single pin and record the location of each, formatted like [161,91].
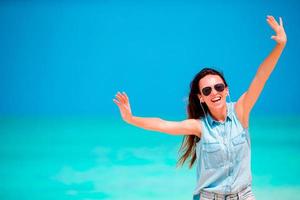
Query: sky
[62,58]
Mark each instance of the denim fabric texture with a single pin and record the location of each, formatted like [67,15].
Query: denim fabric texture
[223,164]
[244,194]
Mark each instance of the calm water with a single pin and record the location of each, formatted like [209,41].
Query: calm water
[93,158]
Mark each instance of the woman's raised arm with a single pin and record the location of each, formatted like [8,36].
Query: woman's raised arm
[185,127]
[246,102]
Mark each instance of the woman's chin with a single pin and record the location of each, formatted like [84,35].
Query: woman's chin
[218,104]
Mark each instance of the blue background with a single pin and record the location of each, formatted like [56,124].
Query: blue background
[62,62]
[70,58]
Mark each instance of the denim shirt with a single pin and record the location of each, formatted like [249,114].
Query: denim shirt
[223,155]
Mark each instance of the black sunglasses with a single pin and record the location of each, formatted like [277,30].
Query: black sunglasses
[218,87]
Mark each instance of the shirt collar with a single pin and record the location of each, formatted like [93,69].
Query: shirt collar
[229,116]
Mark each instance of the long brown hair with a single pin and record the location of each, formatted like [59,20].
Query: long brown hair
[194,111]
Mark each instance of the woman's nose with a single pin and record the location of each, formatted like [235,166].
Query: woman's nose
[214,92]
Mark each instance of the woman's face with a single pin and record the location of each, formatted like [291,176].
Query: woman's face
[213,98]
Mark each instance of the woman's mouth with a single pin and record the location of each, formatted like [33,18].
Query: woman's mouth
[216,99]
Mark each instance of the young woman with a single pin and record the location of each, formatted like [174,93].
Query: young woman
[216,132]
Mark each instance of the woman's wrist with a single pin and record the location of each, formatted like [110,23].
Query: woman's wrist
[129,119]
[281,45]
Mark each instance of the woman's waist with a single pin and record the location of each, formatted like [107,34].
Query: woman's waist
[241,192]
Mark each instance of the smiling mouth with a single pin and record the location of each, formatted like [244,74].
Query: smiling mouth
[214,100]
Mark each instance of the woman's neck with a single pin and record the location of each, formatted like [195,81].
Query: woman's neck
[219,114]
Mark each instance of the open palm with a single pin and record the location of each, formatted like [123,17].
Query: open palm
[124,105]
[280,36]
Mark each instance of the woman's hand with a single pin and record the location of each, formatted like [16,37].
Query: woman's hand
[124,106]
[280,36]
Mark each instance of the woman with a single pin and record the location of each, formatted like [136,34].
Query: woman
[216,134]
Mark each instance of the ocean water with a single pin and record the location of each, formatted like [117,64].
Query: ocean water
[95,158]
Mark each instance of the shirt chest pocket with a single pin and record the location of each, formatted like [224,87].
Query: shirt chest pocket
[213,155]
[239,145]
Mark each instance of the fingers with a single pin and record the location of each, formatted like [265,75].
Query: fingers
[126,97]
[271,21]
[123,104]
[280,21]
[117,102]
[122,98]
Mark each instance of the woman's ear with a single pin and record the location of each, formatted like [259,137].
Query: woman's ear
[200,98]
[227,91]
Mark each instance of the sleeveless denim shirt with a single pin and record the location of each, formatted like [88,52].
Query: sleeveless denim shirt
[223,155]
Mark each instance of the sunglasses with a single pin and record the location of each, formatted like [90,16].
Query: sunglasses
[218,87]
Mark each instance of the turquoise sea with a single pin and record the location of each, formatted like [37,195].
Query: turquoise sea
[95,158]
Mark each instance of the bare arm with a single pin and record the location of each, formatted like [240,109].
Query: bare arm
[248,99]
[185,127]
